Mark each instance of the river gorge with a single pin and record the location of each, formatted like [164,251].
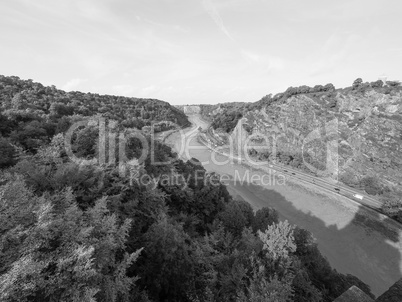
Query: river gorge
[353,243]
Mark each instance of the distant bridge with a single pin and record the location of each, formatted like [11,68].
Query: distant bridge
[189,109]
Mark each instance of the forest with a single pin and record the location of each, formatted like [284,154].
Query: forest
[71,232]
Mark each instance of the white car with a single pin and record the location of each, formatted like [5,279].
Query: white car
[358,196]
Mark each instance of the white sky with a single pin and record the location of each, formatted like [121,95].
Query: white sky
[199,51]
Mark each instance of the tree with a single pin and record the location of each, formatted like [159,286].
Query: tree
[263,218]
[60,253]
[318,88]
[392,206]
[236,216]
[60,109]
[349,178]
[332,103]
[85,142]
[8,153]
[304,241]
[271,277]
[377,84]
[304,89]
[357,82]
[278,241]
[329,87]
[6,125]
[18,102]
[264,289]
[31,136]
[169,271]
[303,289]
[393,83]
[371,185]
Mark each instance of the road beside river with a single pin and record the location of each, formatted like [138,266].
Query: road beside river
[348,240]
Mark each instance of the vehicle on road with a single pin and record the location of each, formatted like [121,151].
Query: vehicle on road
[358,196]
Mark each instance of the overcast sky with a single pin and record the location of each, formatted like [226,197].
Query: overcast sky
[199,51]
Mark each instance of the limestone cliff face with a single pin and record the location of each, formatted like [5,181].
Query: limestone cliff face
[364,129]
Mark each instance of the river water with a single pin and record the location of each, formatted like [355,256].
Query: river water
[351,245]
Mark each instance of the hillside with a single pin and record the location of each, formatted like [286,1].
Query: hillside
[368,120]
[33,98]
[31,114]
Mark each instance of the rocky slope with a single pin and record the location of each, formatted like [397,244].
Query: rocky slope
[369,130]
[354,134]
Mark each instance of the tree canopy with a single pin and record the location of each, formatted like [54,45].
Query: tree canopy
[73,232]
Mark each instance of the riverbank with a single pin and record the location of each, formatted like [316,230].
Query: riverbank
[352,243]
[378,221]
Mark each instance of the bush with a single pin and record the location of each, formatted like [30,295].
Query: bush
[357,82]
[371,185]
[332,103]
[377,84]
[392,206]
[393,83]
[329,87]
[348,178]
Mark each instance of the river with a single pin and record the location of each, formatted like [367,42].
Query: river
[351,245]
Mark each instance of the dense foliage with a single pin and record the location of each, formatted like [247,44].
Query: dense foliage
[71,232]
[25,100]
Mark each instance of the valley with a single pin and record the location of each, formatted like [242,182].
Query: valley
[352,243]
[200,151]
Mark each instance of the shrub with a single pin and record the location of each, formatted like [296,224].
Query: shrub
[371,185]
[392,206]
[348,178]
[357,82]
[329,87]
[377,84]
[393,83]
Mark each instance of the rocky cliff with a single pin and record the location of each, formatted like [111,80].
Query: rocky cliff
[360,129]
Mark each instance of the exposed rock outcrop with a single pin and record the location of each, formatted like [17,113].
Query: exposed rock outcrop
[363,128]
